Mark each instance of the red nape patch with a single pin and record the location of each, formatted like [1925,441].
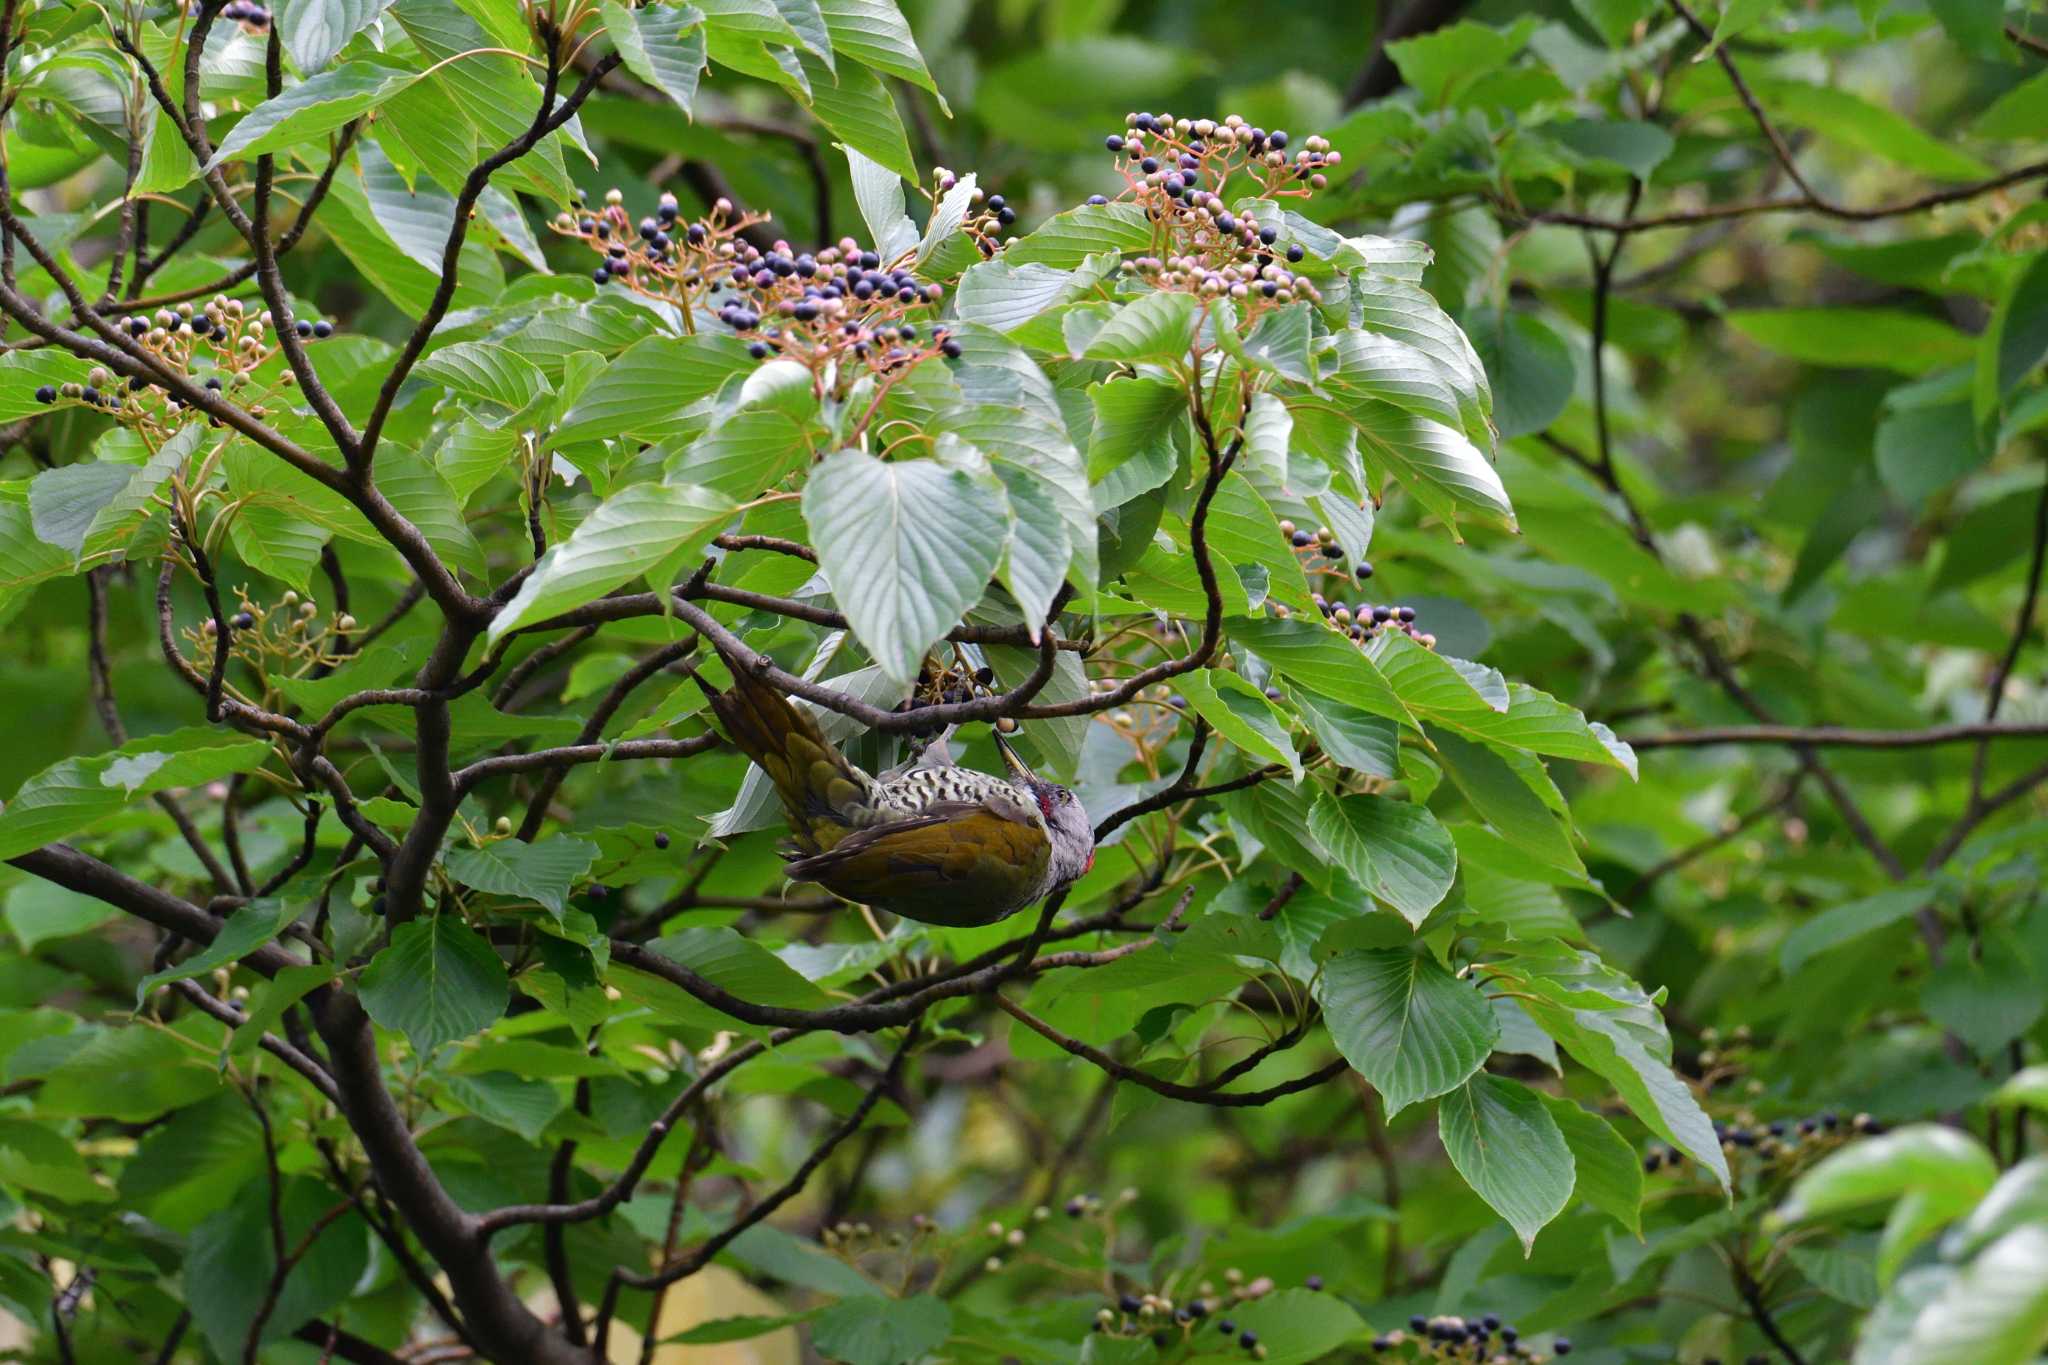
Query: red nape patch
[1045,802]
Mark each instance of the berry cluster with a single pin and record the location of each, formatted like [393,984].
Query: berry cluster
[221,334]
[1450,1337]
[1169,1322]
[1180,170]
[1778,1142]
[252,16]
[286,641]
[838,311]
[938,686]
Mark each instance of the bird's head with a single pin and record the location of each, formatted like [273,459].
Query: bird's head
[1066,822]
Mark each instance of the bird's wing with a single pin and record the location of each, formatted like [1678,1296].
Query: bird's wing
[973,848]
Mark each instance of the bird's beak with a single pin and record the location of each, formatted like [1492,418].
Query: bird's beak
[1019,770]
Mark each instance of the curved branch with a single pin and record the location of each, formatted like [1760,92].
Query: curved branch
[1837,736]
[1194,1094]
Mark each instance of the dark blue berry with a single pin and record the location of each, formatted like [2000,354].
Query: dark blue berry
[323,330]
[303,328]
[46,394]
[1294,252]
[1114,142]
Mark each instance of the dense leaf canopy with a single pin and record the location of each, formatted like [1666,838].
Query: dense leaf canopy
[1523,527]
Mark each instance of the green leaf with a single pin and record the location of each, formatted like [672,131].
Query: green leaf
[1371,369]
[2018,1199]
[1396,850]
[437,981]
[1067,239]
[662,44]
[729,959]
[231,1258]
[525,1107]
[315,31]
[1505,1143]
[873,32]
[644,389]
[542,871]
[1609,1026]
[1835,113]
[73,794]
[1846,923]
[1404,1023]
[64,501]
[1294,1326]
[1531,368]
[1636,147]
[1609,1174]
[859,110]
[2016,342]
[1360,741]
[2028,1086]
[315,106]
[131,1075]
[1508,797]
[1154,326]
[879,193]
[1321,660]
[907,546]
[1986,998]
[1854,338]
[624,537]
[872,1330]
[1441,468]
[1922,450]
[425,498]
[1924,1158]
[1441,65]
[1995,1313]
[1845,1276]
[1407,313]
[1132,417]
[1241,714]
[485,370]
[247,929]
[2018,113]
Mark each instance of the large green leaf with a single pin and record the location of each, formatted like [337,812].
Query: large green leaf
[907,546]
[1395,849]
[437,981]
[1404,1023]
[73,794]
[1609,1173]
[315,31]
[1243,715]
[873,1330]
[662,44]
[1505,1143]
[543,871]
[1854,338]
[247,929]
[1996,1312]
[644,389]
[626,536]
[1154,326]
[315,106]
[1924,1159]
[231,1258]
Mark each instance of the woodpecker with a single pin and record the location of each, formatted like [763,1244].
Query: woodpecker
[940,844]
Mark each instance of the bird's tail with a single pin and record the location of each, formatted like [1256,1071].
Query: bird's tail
[815,781]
